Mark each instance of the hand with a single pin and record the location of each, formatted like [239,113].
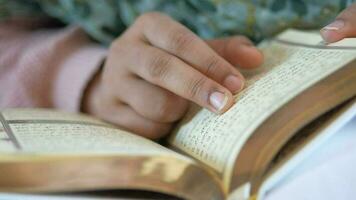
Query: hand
[344,26]
[157,66]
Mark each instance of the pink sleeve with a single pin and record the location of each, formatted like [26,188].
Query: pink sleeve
[46,67]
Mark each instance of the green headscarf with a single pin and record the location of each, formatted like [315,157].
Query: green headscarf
[104,20]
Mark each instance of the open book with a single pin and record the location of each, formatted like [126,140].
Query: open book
[303,89]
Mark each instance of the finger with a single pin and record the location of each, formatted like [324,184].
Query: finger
[125,117]
[344,26]
[171,73]
[151,101]
[238,50]
[181,42]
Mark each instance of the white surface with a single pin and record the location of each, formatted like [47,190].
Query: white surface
[329,173]
[298,164]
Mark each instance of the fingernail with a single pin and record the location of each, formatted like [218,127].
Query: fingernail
[218,100]
[334,26]
[328,32]
[233,83]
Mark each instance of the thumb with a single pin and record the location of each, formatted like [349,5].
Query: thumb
[344,26]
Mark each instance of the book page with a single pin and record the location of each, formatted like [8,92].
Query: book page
[74,152]
[289,69]
[48,132]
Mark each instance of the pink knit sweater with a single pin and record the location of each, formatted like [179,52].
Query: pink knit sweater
[45,67]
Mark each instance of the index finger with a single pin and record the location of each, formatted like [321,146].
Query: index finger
[184,44]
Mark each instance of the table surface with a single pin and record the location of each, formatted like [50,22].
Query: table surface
[329,173]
